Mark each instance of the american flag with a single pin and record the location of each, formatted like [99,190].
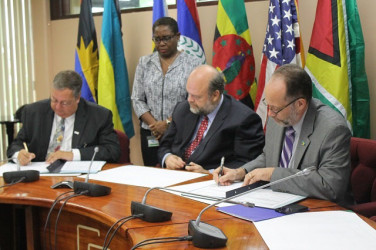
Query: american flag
[282,45]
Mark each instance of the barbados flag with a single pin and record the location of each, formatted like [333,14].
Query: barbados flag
[232,49]
[159,10]
[189,27]
[335,62]
[86,56]
[113,85]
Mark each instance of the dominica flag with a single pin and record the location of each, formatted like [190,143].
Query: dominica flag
[189,27]
[113,84]
[86,56]
[159,10]
[232,49]
[335,62]
[282,45]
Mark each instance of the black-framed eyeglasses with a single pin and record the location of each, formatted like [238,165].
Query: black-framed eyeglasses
[276,111]
[164,39]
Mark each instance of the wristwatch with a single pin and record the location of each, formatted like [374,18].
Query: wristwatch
[168,121]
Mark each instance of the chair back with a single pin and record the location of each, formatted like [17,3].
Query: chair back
[124,147]
[363,169]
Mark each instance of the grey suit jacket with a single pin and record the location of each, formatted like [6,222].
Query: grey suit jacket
[324,142]
[235,133]
[92,127]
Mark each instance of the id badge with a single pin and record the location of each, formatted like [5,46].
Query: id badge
[152,141]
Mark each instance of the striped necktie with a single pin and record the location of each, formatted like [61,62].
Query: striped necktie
[287,147]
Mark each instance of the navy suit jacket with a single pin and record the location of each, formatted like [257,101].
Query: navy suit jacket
[235,133]
[92,127]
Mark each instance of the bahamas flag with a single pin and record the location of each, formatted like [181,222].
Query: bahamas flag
[189,27]
[86,56]
[113,85]
[232,49]
[159,10]
[335,62]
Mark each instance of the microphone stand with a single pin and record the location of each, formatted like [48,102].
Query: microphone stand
[90,189]
[18,175]
[154,214]
[208,236]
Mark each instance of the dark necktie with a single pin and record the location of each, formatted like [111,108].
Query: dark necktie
[198,138]
[287,147]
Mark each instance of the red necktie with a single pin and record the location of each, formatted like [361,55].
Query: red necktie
[198,138]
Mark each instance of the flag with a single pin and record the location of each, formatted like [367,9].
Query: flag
[282,45]
[189,27]
[113,84]
[86,56]
[159,10]
[335,62]
[232,49]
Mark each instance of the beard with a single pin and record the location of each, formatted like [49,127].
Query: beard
[205,110]
[291,119]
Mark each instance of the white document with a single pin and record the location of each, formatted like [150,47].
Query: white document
[144,176]
[261,198]
[317,230]
[70,167]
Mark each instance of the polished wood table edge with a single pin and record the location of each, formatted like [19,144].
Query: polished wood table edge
[79,205]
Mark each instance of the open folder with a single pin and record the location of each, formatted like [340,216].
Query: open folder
[266,198]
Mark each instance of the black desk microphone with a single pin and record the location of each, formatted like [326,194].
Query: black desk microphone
[90,189]
[205,235]
[16,176]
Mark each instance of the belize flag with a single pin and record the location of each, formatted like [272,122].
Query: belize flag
[189,27]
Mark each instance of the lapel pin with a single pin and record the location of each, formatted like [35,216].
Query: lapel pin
[76,132]
[303,143]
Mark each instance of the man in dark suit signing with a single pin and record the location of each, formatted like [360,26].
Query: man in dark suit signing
[301,132]
[210,125]
[65,127]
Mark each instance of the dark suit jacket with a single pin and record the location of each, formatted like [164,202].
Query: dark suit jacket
[235,133]
[92,127]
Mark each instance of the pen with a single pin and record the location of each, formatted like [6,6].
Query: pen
[221,166]
[25,147]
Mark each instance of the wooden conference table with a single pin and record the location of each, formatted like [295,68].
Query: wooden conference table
[85,221]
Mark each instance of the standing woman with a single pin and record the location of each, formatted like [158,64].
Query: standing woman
[159,84]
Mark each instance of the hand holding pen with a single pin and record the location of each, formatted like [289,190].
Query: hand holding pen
[221,168]
[24,156]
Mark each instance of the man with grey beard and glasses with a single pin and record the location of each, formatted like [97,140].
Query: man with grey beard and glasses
[210,125]
[301,132]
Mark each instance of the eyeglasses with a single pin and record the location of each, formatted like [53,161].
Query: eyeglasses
[276,111]
[164,39]
[62,103]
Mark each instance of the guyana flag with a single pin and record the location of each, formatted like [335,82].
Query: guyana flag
[335,62]
[232,50]
[113,84]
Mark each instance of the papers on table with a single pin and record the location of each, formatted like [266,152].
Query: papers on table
[69,168]
[144,176]
[261,198]
[318,230]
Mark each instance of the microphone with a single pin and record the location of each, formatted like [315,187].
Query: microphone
[27,175]
[90,189]
[154,214]
[15,176]
[205,235]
